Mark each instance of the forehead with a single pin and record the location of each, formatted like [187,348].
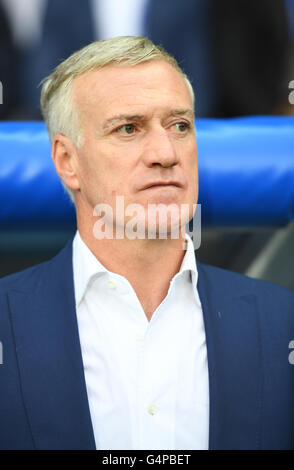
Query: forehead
[153,84]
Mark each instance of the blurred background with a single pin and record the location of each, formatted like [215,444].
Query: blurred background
[239,56]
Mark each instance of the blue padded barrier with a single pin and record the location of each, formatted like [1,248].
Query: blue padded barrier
[246,174]
[246,171]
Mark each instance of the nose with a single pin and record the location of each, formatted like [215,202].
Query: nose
[159,149]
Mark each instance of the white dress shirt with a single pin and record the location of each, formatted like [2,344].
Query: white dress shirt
[147,382]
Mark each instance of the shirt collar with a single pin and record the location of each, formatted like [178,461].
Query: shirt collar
[189,261]
[86,265]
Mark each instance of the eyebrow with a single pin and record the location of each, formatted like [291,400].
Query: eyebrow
[141,117]
[122,117]
[181,112]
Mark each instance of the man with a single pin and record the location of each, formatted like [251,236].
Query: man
[122,341]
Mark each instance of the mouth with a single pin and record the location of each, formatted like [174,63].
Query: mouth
[163,184]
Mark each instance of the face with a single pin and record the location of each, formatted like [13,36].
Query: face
[138,137]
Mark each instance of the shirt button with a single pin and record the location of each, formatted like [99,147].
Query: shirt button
[111,285]
[152,409]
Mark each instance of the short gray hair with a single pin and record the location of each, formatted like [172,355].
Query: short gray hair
[56,97]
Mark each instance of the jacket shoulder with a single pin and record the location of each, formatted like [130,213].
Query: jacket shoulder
[56,268]
[230,282]
[21,280]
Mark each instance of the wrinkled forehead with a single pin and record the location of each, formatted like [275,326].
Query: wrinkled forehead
[114,84]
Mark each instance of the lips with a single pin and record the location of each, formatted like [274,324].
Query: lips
[156,184]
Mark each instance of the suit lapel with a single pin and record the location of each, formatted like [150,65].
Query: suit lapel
[234,361]
[49,357]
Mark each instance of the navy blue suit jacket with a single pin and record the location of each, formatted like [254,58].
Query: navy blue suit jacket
[249,325]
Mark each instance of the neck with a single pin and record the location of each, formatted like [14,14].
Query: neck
[149,265]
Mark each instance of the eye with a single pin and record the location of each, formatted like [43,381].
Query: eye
[127,129]
[181,126]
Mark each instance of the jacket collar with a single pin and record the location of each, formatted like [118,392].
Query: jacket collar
[234,353]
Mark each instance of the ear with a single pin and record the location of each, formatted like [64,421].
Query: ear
[65,158]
